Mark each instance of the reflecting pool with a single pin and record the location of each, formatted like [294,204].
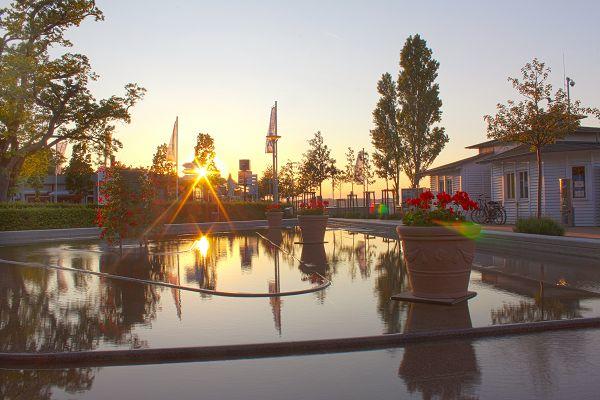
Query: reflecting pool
[57,310]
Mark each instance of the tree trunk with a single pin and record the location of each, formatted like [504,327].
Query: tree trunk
[538,153]
[9,170]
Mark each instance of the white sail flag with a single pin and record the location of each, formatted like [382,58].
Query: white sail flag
[359,168]
[172,149]
[61,147]
[272,132]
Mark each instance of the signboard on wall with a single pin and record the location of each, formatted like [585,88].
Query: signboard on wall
[244,177]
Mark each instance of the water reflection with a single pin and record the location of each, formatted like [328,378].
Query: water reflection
[439,370]
[547,302]
[39,384]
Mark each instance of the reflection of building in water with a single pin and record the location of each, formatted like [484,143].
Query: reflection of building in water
[248,249]
[439,370]
[549,302]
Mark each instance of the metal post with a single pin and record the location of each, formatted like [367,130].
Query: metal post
[275,179]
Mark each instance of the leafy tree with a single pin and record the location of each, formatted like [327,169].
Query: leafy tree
[288,180]
[337,179]
[316,165]
[419,108]
[540,119]
[349,169]
[385,137]
[161,165]
[163,172]
[204,156]
[365,172]
[79,172]
[265,183]
[34,170]
[45,99]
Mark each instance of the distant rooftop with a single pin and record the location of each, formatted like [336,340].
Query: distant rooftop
[582,129]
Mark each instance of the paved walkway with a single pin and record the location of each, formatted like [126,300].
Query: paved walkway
[577,231]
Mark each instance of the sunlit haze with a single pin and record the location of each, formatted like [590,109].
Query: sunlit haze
[219,66]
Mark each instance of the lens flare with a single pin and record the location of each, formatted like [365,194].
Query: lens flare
[201,172]
[202,246]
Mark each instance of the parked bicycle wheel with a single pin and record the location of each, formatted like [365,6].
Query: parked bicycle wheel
[499,216]
[478,216]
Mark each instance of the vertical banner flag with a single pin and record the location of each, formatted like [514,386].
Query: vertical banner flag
[61,147]
[360,166]
[172,149]
[272,130]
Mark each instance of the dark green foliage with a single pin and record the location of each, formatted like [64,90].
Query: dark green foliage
[28,216]
[539,226]
[79,172]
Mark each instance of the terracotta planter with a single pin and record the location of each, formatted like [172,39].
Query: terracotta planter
[438,259]
[313,227]
[274,219]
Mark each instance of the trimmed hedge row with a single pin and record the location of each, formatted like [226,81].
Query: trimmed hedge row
[29,216]
[42,217]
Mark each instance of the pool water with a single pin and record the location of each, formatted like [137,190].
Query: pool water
[50,310]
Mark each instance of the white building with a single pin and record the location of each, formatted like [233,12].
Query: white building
[577,157]
[507,172]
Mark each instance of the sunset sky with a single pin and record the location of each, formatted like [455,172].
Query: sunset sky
[219,66]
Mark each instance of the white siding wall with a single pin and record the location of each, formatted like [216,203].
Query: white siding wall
[476,180]
[556,166]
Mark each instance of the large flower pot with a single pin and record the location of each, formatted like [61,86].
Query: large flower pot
[274,219]
[438,259]
[313,227]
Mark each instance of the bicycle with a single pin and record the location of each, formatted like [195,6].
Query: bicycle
[489,212]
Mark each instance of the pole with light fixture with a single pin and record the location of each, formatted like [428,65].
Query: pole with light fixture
[570,83]
[271,147]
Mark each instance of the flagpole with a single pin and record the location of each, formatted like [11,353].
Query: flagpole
[275,181]
[177,159]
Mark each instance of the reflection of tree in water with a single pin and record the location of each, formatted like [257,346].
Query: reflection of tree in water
[390,280]
[541,309]
[549,302]
[37,316]
[38,384]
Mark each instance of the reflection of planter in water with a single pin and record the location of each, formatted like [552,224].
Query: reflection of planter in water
[313,259]
[313,227]
[274,219]
[443,369]
[275,236]
[438,259]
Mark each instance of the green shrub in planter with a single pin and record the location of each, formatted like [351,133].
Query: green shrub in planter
[539,226]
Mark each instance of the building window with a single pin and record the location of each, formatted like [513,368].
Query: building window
[578,176]
[440,183]
[510,186]
[523,185]
[448,185]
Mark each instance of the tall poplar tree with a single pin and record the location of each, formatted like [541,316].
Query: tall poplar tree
[385,137]
[419,109]
[79,172]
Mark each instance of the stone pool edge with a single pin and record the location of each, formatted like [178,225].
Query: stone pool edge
[276,349]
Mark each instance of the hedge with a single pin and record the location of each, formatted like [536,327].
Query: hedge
[28,216]
[540,226]
[14,218]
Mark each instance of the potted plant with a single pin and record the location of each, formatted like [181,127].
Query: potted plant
[312,219]
[274,215]
[438,244]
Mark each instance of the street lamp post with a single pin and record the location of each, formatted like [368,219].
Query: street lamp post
[570,83]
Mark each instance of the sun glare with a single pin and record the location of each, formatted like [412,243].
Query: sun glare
[202,245]
[201,172]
